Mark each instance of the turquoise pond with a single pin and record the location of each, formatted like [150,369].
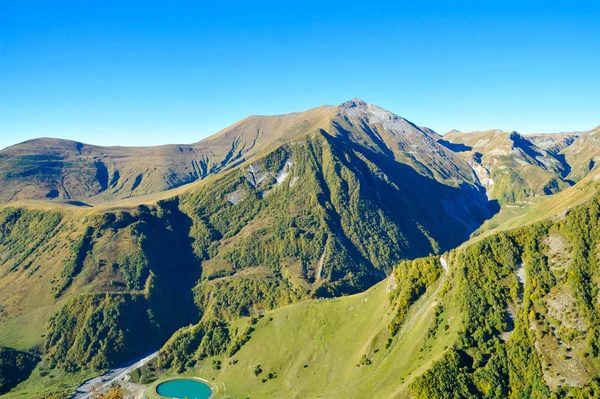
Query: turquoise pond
[184,388]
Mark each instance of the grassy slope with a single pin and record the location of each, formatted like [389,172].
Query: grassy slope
[29,313]
[315,347]
[355,332]
[338,327]
[66,170]
[27,296]
[583,154]
[43,380]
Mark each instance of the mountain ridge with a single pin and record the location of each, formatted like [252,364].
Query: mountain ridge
[48,169]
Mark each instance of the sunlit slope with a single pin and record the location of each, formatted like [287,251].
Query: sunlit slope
[49,258]
[544,208]
[554,143]
[327,213]
[321,209]
[335,348]
[509,165]
[68,170]
[584,154]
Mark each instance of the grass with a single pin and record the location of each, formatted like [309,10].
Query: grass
[24,332]
[311,349]
[314,348]
[44,380]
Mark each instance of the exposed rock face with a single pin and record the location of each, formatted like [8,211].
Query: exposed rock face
[510,166]
[385,132]
[391,283]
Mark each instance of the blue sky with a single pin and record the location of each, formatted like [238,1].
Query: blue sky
[149,73]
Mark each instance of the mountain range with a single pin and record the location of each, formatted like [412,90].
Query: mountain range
[343,240]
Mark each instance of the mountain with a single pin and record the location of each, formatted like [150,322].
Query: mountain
[68,170]
[508,316]
[338,239]
[511,166]
[583,154]
[554,143]
[315,204]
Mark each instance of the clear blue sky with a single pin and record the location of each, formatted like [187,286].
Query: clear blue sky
[149,72]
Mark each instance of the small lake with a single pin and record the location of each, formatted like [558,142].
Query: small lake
[184,388]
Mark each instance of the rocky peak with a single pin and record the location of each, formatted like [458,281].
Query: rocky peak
[357,108]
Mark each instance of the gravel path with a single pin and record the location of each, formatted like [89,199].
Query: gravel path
[104,381]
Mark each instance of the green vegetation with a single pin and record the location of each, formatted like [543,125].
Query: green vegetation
[100,330]
[494,366]
[444,380]
[22,233]
[250,276]
[513,167]
[274,247]
[481,331]
[298,342]
[74,263]
[15,367]
[411,279]
[135,268]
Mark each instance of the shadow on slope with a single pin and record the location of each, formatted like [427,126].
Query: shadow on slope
[424,209]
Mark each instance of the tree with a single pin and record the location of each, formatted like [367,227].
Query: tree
[114,393]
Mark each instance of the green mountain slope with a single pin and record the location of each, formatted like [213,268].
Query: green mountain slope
[515,315]
[269,270]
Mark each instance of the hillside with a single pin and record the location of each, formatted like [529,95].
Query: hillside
[513,167]
[584,154]
[324,216]
[554,143]
[54,169]
[514,316]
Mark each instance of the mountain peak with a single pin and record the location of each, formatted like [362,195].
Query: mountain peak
[355,102]
[358,108]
